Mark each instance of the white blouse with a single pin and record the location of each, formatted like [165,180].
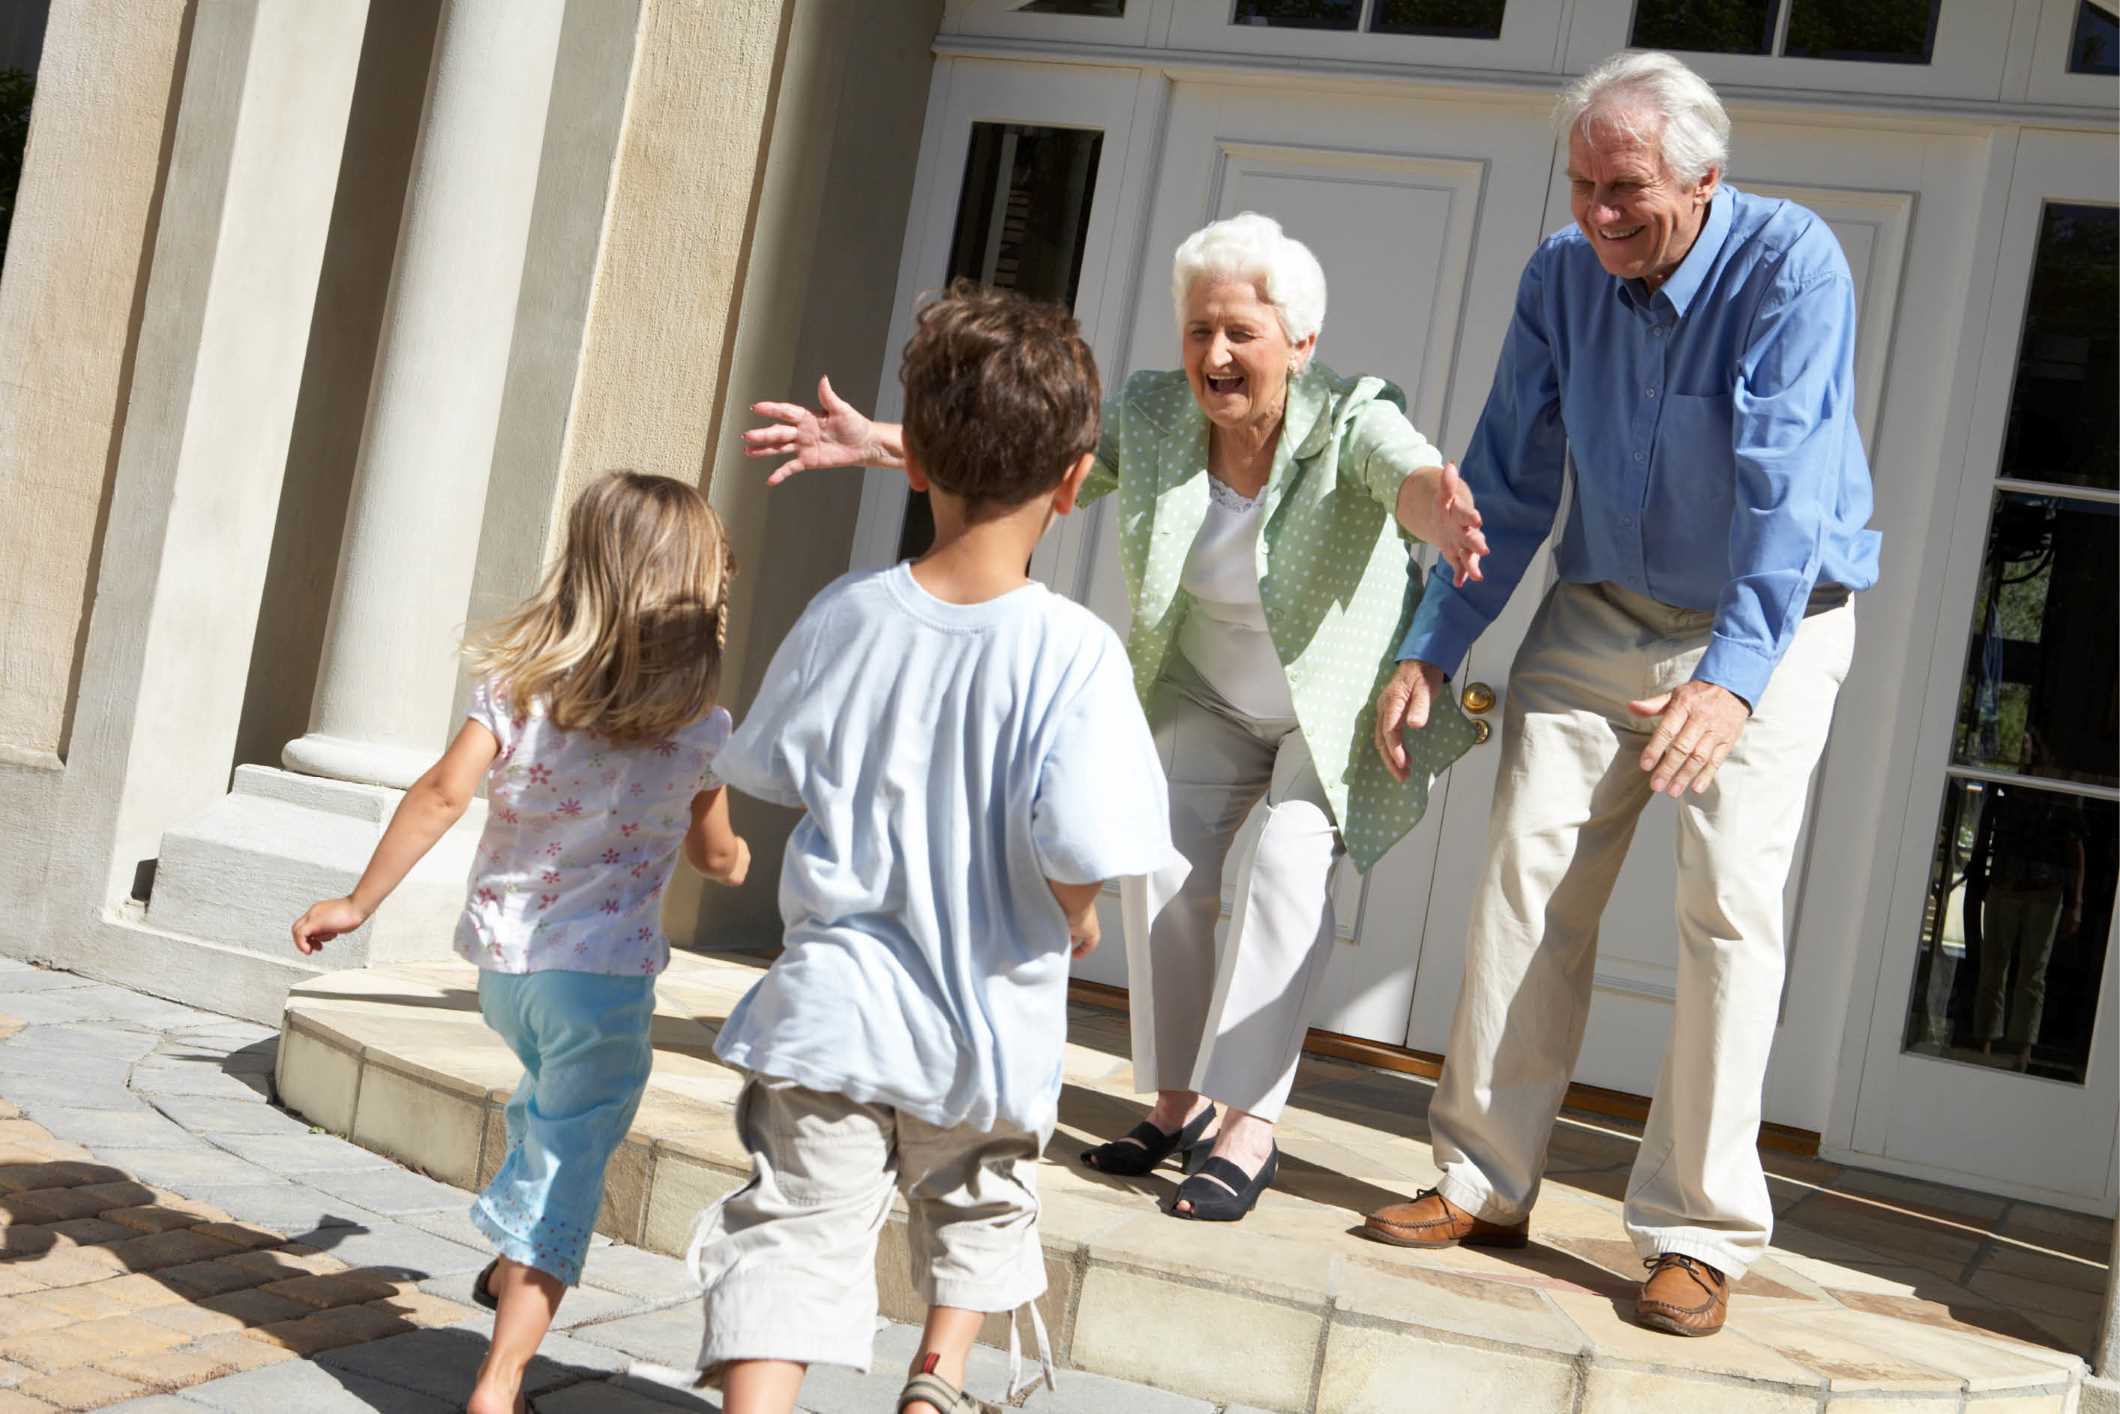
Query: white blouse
[1224,636]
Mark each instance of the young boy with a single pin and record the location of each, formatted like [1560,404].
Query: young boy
[973,766]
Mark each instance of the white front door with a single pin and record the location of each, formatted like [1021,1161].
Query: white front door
[1991,1052]
[1079,182]
[1422,213]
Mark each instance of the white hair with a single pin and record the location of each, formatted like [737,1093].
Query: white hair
[1687,119]
[1252,247]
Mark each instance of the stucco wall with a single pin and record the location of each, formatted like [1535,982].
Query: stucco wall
[817,298]
[671,263]
[69,312]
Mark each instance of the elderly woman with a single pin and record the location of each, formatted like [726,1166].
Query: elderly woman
[1264,503]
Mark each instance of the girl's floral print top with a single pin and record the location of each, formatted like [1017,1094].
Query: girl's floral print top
[580,838]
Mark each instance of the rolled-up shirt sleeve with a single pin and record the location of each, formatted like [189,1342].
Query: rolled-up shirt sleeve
[1514,467]
[1792,412]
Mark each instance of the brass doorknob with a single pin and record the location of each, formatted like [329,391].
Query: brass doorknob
[1478,697]
[1480,732]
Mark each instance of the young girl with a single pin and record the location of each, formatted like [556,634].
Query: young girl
[594,728]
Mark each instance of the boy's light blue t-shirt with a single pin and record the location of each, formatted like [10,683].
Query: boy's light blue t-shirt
[950,759]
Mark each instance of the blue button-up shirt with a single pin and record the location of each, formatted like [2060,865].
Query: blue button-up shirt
[1711,425]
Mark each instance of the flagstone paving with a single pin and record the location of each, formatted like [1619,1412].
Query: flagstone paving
[1879,1293]
[172,1242]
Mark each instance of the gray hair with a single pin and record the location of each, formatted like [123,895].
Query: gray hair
[1689,121]
[1252,247]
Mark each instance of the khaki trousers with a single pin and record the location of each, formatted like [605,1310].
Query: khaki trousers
[1569,791]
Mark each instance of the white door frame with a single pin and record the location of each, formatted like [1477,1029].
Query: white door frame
[1902,1093]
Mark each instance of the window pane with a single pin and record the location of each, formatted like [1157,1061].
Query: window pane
[2061,426]
[1095,9]
[2040,664]
[1022,222]
[1876,31]
[1299,14]
[2095,46]
[2013,938]
[1450,19]
[1706,26]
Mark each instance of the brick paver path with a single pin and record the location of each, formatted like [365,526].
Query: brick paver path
[172,1242]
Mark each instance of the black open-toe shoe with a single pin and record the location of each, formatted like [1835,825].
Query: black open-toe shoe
[1150,1146]
[482,1286]
[1211,1202]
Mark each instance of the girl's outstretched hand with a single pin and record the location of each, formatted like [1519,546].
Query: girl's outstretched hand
[325,921]
[835,434]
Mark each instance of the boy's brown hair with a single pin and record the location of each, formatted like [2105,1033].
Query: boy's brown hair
[1001,396]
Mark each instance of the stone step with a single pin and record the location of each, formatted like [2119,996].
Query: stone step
[1878,1288]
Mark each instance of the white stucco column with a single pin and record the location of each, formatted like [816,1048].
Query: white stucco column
[390,668]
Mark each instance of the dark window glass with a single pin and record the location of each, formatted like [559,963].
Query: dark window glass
[1298,14]
[2042,664]
[1875,31]
[2013,936]
[1095,9]
[2095,46]
[2061,426]
[1451,19]
[17,88]
[1706,26]
[1022,222]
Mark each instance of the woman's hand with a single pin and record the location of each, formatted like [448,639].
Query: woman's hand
[1436,505]
[1403,707]
[1458,538]
[836,434]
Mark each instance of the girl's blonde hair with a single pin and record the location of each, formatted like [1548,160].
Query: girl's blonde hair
[624,638]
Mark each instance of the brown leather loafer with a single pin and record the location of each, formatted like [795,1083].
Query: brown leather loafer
[1683,1295]
[1431,1220]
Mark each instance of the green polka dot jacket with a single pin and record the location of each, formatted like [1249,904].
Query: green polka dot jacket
[1332,570]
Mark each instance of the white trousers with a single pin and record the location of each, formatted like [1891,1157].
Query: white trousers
[1227,1019]
[1568,793]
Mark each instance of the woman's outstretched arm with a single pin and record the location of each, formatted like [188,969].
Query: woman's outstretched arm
[834,434]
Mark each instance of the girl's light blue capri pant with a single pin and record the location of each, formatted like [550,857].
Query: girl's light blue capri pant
[583,1041]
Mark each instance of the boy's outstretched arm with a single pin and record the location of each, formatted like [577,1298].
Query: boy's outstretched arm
[436,801]
[712,845]
[1079,903]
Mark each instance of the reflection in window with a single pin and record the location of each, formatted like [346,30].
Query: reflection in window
[1299,14]
[2014,932]
[2061,427]
[2041,674]
[1094,9]
[1876,31]
[1706,26]
[1022,225]
[1449,19]
[2095,46]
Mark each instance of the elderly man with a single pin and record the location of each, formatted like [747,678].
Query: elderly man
[1691,348]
